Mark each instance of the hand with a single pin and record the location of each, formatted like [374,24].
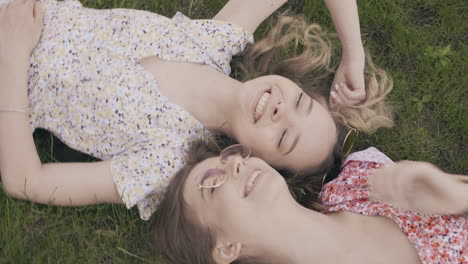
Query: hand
[21,24]
[348,87]
[419,187]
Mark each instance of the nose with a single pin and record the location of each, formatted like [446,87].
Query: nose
[234,166]
[277,110]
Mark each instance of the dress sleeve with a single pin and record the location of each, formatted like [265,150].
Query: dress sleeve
[351,184]
[218,40]
[142,173]
[370,155]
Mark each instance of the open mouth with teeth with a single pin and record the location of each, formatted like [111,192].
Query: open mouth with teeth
[251,182]
[261,105]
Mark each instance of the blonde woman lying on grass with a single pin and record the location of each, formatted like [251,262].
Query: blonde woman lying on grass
[135,88]
[229,207]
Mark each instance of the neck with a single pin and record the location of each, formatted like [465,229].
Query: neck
[213,101]
[299,236]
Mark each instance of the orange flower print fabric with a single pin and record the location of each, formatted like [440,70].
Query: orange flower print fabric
[438,239]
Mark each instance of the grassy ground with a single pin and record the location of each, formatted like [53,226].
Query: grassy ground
[421,43]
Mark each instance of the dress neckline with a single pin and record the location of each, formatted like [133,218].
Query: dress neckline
[192,121]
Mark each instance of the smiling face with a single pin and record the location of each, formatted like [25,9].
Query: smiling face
[283,125]
[234,210]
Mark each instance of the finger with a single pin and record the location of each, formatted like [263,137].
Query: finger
[462,178]
[333,89]
[331,101]
[355,95]
[338,100]
[355,98]
[38,14]
[38,19]
[336,86]
[380,183]
[344,99]
[356,82]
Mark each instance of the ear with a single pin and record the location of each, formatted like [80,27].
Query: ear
[226,252]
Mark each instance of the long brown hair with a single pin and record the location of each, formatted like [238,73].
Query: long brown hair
[178,236]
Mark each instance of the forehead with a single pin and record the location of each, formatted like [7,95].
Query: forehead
[285,83]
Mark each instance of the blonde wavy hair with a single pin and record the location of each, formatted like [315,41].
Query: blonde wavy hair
[305,54]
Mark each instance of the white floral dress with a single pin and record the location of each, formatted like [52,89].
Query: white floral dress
[87,87]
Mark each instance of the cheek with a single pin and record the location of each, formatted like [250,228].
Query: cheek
[269,156]
[260,141]
[230,217]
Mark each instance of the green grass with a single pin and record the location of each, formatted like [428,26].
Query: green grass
[406,37]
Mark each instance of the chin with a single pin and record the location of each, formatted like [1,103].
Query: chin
[278,191]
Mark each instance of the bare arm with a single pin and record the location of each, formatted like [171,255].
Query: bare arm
[346,20]
[22,173]
[350,74]
[348,87]
[420,187]
[248,14]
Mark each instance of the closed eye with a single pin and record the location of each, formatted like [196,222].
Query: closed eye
[284,131]
[282,137]
[299,99]
[214,183]
[211,174]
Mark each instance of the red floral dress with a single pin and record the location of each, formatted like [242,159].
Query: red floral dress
[438,238]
